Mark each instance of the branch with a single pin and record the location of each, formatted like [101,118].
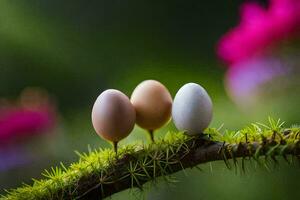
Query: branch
[100,174]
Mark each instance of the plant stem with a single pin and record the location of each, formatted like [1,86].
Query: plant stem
[103,173]
[199,151]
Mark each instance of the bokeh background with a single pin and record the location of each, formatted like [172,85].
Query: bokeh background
[76,49]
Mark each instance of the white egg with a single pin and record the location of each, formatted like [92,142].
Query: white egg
[192,109]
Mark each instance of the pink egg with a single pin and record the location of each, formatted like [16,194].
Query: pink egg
[113,116]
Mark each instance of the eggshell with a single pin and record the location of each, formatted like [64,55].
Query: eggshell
[192,109]
[113,116]
[153,104]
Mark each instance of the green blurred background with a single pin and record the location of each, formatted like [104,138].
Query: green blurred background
[76,49]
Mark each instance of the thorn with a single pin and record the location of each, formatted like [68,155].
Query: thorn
[151,135]
[198,168]
[115,146]
[210,167]
[221,148]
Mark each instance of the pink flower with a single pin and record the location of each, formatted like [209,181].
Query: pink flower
[244,80]
[255,52]
[19,122]
[260,29]
[34,115]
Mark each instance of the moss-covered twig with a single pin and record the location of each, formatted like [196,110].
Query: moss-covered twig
[101,173]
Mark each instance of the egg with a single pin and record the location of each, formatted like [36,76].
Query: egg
[113,115]
[192,109]
[153,104]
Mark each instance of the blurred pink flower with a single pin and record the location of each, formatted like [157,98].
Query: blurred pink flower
[34,115]
[261,63]
[243,80]
[20,122]
[259,29]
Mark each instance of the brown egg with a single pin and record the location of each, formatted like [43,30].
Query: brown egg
[113,116]
[153,104]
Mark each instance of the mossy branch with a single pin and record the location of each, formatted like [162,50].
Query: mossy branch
[101,173]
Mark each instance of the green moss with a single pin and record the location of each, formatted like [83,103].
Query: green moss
[101,172]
